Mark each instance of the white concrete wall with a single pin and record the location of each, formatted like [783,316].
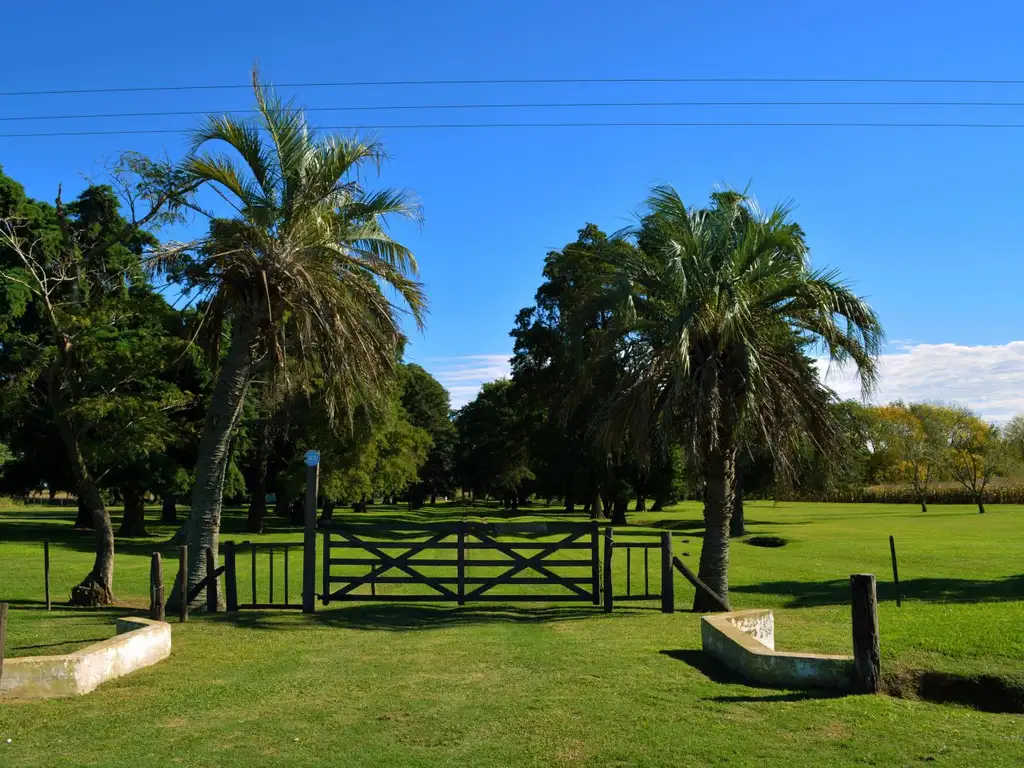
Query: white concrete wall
[139,643]
[745,642]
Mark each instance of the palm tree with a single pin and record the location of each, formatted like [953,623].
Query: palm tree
[295,273]
[714,314]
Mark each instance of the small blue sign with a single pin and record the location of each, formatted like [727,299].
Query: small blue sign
[312,458]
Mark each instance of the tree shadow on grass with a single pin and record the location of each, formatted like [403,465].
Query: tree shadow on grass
[408,617]
[804,594]
[719,673]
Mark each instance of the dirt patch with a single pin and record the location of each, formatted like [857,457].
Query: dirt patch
[987,693]
[766,541]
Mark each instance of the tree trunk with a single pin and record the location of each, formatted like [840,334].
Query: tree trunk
[97,588]
[133,523]
[641,503]
[258,497]
[202,529]
[981,504]
[570,503]
[619,508]
[169,509]
[596,506]
[297,512]
[327,512]
[659,504]
[83,520]
[718,500]
[738,523]
[433,499]
[924,503]
[280,504]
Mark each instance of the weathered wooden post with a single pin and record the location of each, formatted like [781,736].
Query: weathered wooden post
[595,561]
[312,459]
[895,571]
[866,646]
[668,597]
[211,581]
[230,577]
[156,588]
[3,636]
[609,585]
[461,533]
[183,570]
[46,571]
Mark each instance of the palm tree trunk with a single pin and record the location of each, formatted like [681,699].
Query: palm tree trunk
[169,508]
[718,500]
[202,529]
[133,523]
[97,588]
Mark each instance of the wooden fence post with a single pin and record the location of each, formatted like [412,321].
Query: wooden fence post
[183,570]
[3,636]
[461,533]
[595,561]
[309,539]
[895,571]
[866,646]
[156,588]
[211,581]
[230,577]
[46,571]
[609,584]
[668,597]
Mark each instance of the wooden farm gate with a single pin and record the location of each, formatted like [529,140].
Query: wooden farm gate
[447,561]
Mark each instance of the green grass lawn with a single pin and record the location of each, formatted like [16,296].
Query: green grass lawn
[538,684]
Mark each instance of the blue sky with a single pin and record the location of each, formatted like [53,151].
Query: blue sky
[924,221]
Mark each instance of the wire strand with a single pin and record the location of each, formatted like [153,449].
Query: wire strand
[463,126]
[537,105]
[538,81]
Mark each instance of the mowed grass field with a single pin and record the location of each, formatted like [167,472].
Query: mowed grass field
[423,684]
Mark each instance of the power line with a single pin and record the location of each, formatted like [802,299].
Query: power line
[535,105]
[542,81]
[424,126]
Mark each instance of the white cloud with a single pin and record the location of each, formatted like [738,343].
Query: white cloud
[988,379]
[463,376]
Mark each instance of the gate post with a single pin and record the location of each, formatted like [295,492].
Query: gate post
[309,537]
[462,561]
[230,579]
[668,598]
[609,583]
[595,561]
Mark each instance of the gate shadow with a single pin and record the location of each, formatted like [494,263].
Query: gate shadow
[409,617]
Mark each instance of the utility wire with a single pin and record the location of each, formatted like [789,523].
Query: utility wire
[540,81]
[420,126]
[537,105]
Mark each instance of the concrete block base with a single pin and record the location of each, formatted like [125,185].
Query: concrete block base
[745,642]
[139,643]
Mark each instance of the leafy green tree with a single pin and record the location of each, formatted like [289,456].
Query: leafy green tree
[428,406]
[297,271]
[554,344]
[83,341]
[711,314]
[493,455]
